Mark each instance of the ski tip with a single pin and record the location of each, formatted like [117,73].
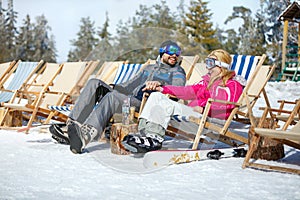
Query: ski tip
[24,129]
[163,158]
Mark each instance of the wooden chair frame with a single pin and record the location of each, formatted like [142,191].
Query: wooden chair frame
[6,70]
[290,138]
[57,94]
[243,107]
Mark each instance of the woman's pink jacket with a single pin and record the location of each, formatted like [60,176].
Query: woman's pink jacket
[198,95]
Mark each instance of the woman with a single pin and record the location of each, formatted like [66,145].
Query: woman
[218,83]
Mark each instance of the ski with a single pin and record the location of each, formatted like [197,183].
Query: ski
[36,127]
[33,127]
[161,158]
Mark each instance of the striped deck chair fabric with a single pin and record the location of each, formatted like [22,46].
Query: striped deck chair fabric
[126,72]
[23,72]
[62,109]
[243,65]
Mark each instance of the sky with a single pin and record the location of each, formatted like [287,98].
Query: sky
[64,15]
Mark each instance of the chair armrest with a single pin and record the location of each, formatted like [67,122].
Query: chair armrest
[144,100]
[210,100]
[276,110]
[288,102]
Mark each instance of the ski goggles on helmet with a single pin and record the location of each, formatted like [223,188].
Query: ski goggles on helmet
[211,63]
[170,50]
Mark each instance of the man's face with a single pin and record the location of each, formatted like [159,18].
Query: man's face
[169,59]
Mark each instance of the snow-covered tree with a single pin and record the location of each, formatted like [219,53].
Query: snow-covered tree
[25,49]
[44,44]
[85,42]
[11,28]
[199,28]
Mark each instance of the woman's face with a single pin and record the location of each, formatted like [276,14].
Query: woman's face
[213,72]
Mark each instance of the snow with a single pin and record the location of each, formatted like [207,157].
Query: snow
[34,167]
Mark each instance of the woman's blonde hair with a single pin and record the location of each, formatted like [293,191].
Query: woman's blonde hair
[226,73]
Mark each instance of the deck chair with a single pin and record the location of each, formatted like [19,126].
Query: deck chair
[108,71]
[5,69]
[257,79]
[32,89]
[188,64]
[244,65]
[62,87]
[125,72]
[23,73]
[89,69]
[283,112]
[197,73]
[289,137]
[243,108]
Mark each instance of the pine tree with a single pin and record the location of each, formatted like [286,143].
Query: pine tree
[139,38]
[44,44]
[85,42]
[103,33]
[274,27]
[103,49]
[4,56]
[181,11]
[251,34]
[199,28]
[258,41]
[122,39]
[230,41]
[8,32]
[11,30]
[25,42]
[163,17]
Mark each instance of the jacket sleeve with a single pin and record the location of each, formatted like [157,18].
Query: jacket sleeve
[190,92]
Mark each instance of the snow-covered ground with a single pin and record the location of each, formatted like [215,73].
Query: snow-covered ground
[32,166]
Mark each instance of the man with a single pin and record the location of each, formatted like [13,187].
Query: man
[98,102]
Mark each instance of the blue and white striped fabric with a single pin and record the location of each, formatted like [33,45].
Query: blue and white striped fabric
[23,70]
[180,118]
[126,72]
[62,109]
[244,65]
